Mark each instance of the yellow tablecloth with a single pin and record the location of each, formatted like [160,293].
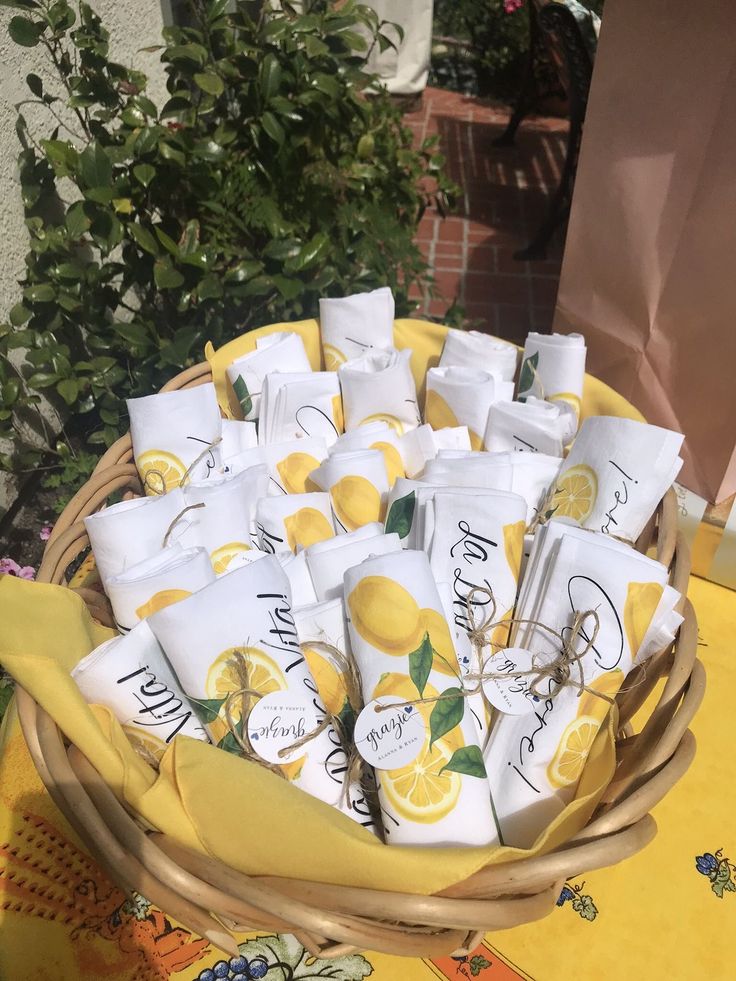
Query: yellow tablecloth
[666,913]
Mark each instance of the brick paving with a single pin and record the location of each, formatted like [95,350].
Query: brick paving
[504,191]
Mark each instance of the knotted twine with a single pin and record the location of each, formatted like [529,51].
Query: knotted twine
[161,490]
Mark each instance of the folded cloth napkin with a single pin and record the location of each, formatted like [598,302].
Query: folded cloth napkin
[379,387]
[300,404]
[349,325]
[422,444]
[223,515]
[615,475]
[535,760]
[176,437]
[240,633]
[461,397]
[533,426]
[358,486]
[472,349]
[490,470]
[236,437]
[407,505]
[282,351]
[130,676]
[328,561]
[553,368]
[324,623]
[167,577]
[532,475]
[403,647]
[376,436]
[293,521]
[299,576]
[289,464]
[129,532]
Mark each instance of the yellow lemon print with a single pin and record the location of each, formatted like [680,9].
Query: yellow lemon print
[337,415]
[568,397]
[594,706]
[263,675]
[333,357]
[145,742]
[476,441]
[575,493]
[392,460]
[223,556]
[386,615]
[572,752]
[401,685]
[642,599]
[356,502]
[160,471]
[294,471]
[305,527]
[420,792]
[396,424]
[513,544]
[445,660]
[330,682]
[161,599]
[438,413]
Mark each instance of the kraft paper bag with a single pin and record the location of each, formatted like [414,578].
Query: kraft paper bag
[648,268]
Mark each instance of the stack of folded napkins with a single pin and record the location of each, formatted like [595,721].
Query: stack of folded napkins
[339,554]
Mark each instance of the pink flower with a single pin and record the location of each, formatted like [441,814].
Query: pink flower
[45,533]
[510,6]
[11,568]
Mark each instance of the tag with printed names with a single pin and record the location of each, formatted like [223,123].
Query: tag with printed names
[278,720]
[389,738]
[511,693]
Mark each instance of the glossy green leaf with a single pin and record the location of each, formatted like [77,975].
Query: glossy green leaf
[469,760]
[68,389]
[19,314]
[40,293]
[76,221]
[25,32]
[243,396]
[144,173]
[210,83]
[273,127]
[448,712]
[95,168]
[420,664]
[270,76]
[166,276]
[43,379]
[401,515]
[528,374]
[169,152]
[144,238]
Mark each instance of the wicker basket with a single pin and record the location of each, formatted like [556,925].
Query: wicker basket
[212,900]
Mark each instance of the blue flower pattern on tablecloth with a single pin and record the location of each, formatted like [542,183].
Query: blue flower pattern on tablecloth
[719,870]
[580,902]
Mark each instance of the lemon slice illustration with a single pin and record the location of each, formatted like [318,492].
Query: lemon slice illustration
[356,502]
[419,792]
[305,527]
[160,600]
[438,413]
[294,471]
[223,556]
[575,493]
[145,742]
[386,615]
[333,357]
[572,752]
[392,460]
[594,706]
[160,471]
[223,678]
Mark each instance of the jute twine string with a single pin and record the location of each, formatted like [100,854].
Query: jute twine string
[174,523]
[161,489]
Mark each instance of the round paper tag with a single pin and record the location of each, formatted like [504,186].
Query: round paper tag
[391,738]
[278,720]
[510,694]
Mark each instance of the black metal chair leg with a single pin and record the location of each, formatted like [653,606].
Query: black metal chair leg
[526,95]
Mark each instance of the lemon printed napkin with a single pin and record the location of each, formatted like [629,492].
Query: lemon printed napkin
[245,618]
[358,485]
[533,426]
[300,404]
[553,368]
[532,476]
[328,561]
[349,325]
[167,577]
[281,351]
[376,436]
[535,760]
[462,397]
[379,387]
[616,474]
[130,676]
[422,444]
[289,464]
[175,436]
[293,521]
[403,647]
[473,349]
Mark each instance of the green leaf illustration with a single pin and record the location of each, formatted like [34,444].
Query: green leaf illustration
[478,963]
[401,515]
[446,714]
[468,760]
[585,906]
[208,709]
[229,743]
[243,395]
[420,664]
[528,374]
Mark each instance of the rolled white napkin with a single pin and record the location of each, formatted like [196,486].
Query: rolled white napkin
[615,475]
[535,760]
[237,436]
[349,325]
[289,464]
[224,523]
[553,367]
[460,397]
[533,426]
[281,351]
[328,561]
[293,521]
[472,349]
[375,436]
[531,477]
[168,577]
[379,387]
[130,676]
[494,471]
[175,436]
[129,532]
[358,485]
[407,508]
[300,404]
[403,647]
[422,444]
[300,579]
[246,613]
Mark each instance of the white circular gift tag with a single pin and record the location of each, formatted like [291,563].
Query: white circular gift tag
[510,694]
[278,720]
[389,739]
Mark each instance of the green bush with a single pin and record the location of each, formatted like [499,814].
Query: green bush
[268,179]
